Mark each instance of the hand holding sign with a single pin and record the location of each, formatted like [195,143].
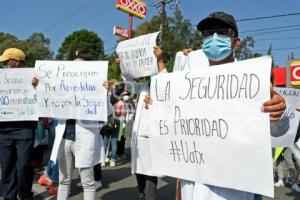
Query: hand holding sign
[148,101]
[34,81]
[275,106]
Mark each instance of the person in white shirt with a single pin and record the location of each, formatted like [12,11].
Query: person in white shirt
[220,38]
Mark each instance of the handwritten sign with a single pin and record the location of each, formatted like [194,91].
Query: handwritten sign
[137,57]
[192,61]
[208,124]
[292,97]
[72,89]
[17,96]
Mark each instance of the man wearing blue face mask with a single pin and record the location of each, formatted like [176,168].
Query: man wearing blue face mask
[220,37]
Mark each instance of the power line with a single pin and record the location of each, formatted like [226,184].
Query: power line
[267,6]
[67,17]
[268,17]
[270,32]
[272,28]
[279,38]
[280,49]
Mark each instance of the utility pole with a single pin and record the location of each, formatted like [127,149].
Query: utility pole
[162,22]
[161,5]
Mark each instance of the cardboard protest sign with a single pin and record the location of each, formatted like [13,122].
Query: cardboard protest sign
[292,97]
[207,126]
[137,57]
[193,61]
[72,89]
[17,95]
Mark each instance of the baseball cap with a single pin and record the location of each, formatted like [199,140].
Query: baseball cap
[12,53]
[218,20]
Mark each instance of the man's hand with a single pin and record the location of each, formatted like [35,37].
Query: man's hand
[275,106]
[159,56]
[34,81]
[158,53]
[109,85]
[148,101]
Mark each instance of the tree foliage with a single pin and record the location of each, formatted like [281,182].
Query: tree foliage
[178,34]
[36,47]
[83,41]
[245,50]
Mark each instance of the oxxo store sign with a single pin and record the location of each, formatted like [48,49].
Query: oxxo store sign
[295,73]
[134,7]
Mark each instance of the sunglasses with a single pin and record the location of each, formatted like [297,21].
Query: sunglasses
[225,32]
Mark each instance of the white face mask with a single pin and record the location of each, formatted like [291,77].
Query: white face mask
[125,98]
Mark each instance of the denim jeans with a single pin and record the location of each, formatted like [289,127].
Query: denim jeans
[114,137]
[51,171]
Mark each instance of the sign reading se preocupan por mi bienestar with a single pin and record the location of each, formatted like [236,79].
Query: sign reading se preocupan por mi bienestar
[72,89]
[137,58]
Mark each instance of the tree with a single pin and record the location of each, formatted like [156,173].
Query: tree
[269,52]
[83,41]
[178,34]
[36,47]
[114,71]
[245,49]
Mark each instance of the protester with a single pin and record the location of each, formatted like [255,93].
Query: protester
[147,184]
[110,137]
[80,139]
[16,144]
[220,34]
[287,158]
[290,156]
[50,175]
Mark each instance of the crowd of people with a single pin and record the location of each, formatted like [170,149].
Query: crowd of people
[87,147]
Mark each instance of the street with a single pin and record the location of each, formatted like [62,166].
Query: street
[120,184]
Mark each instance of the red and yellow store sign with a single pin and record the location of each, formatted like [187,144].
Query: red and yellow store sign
[135,7]
[295,72]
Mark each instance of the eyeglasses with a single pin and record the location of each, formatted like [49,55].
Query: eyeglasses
[225,32]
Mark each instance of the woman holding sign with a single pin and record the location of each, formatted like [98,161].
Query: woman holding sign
[79,142]
[147,184]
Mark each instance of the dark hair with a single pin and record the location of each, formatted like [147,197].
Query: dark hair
[84,55]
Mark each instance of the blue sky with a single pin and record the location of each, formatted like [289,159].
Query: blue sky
[58,18]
